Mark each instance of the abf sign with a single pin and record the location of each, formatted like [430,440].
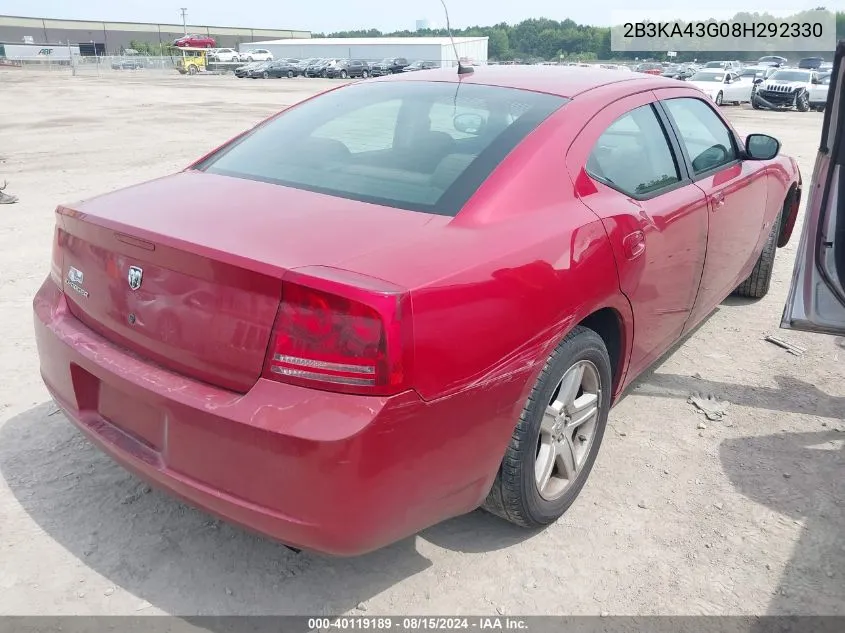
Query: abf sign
[671,53]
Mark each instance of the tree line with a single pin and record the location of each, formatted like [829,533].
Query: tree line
[538,39]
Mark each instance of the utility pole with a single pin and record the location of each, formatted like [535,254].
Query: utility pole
[184,11]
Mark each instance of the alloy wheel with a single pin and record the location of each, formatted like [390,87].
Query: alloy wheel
[567,430]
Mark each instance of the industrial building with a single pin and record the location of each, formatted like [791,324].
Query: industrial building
[373,49]
[112,37]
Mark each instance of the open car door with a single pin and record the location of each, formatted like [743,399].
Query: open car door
[816,301]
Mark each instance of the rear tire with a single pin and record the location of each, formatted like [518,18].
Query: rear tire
[290,74]
[364,74]
[516,492]
[756,286]
[343,74]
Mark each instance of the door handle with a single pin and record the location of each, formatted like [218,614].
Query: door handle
[718,200]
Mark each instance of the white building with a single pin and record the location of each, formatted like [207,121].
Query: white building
[373,49]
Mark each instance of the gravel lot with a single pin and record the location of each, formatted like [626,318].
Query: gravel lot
[744,516]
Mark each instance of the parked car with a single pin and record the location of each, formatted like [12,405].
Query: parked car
[786,88]
[816,301]
[326,335]
[349,68]
[258,55]
[810,63]
[389,66]
[420,65]
[243,71]
[772,60]
[195,41]
[756,75]
[260,70]
[321,68]
[722,86]
[681,73]
[649,68]
[277,69]
[723,65]
[224,55]
[128,64]
[818,92]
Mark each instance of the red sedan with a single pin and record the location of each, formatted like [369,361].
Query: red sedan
[406,298]
[196,41]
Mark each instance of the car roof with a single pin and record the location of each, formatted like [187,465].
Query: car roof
[564,81]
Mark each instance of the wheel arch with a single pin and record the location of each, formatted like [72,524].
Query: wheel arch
[609,325]
[791,204]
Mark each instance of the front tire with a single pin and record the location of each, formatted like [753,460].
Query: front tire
[266,75]
[364,74]
[719,99]
[554,445]
[756,286]
[802,102]
[343,74]
[290,74]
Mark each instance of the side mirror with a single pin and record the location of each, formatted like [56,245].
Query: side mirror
[758,81]
[468,123]
[815,80]
[728,80]
[761,147]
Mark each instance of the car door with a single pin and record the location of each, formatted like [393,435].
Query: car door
[656,219]
[736,193]
[816,299]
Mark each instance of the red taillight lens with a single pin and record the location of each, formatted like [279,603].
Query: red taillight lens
[333,335]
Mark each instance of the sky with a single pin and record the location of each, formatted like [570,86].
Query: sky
[385,15]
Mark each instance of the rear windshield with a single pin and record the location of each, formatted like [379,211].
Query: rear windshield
[422,146]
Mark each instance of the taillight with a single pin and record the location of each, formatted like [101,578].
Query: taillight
[341,331]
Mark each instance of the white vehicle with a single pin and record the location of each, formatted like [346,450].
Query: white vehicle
[225,55]
[818,92]
[786,88]
[722,86]
[723,65]
[257,55]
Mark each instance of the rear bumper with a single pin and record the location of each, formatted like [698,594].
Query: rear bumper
[328,472]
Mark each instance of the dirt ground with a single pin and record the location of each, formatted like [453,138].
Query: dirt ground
[744,516]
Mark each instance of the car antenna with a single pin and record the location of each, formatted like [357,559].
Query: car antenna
[462,70]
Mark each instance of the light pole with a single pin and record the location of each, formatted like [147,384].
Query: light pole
[184,11]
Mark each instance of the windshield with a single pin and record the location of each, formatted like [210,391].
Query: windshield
[714,64]
[790,75]
[714,77]
[423,146]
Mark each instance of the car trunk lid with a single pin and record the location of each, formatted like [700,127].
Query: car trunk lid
[186,271]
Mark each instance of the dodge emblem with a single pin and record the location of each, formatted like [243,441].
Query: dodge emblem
[135,276]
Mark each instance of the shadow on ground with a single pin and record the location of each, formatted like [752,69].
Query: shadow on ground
[183,561]
[813,493]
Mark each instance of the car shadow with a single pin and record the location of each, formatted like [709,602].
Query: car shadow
[790,396]
[184,561]
[799,475]
[173,557]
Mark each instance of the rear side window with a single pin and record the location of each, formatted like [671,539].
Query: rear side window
[708,141]
[633,155]
[423,146]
